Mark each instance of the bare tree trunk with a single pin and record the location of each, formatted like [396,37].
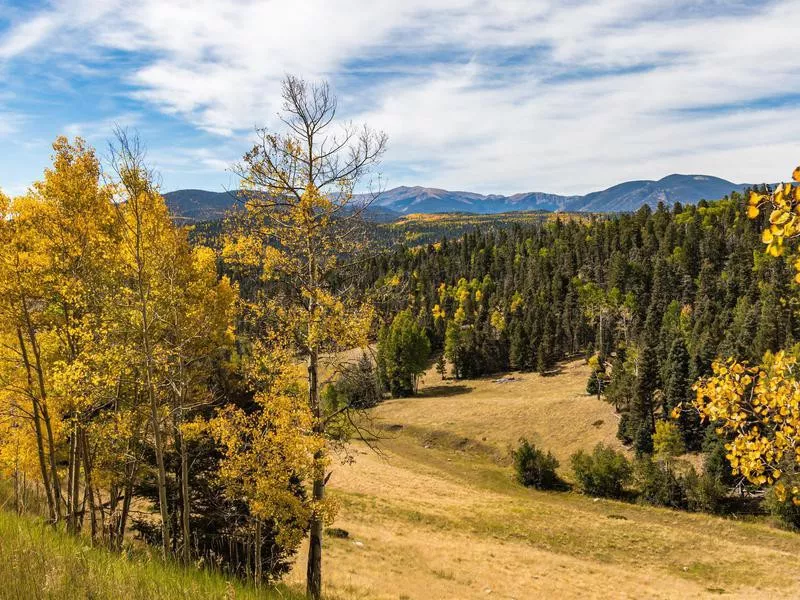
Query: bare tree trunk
[257,572]
[186,508]
[17,493]
[37,426]
[122,522]
[87,471]
[56,484]
[152,399]
[314,569]
[162,472]
[73,481]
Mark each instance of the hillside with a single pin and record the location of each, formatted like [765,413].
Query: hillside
[37,562]
[418,199]
[623,197]
[437,515]
[686,189]
[202,205]
[199,205]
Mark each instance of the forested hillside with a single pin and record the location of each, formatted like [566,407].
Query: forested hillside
[659,294]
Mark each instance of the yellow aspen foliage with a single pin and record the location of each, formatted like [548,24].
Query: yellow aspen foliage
[498,320]
[667,441]
[442,292]
[437,312]
[784,217]
[759,406]
[516,302]
[55,278]
[265,451]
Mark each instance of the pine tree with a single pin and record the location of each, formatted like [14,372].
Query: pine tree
[441,366]
[518,347]
[642,409]
[677,394]
[403,350]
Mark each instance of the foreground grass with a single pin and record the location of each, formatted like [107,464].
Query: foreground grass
[39,562]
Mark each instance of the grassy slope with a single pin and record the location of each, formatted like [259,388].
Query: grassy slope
[438,516]
[38,562]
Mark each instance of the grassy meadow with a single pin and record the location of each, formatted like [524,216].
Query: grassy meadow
[437,514]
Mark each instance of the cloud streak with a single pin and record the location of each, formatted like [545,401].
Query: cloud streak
[495,97]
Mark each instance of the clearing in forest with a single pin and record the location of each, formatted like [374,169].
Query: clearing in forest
[438,515]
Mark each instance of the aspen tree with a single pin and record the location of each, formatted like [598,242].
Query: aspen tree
[304,231]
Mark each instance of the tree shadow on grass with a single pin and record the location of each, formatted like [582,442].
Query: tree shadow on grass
[438,391]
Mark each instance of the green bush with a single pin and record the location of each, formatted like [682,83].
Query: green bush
[534,468]
[676,484]
[597,382]
[704,493]
[785,511]
[605,472]
[659,484]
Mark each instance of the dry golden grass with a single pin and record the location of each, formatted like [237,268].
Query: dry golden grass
[447,520]
[553,412]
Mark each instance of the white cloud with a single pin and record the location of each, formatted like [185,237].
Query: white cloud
[28,35]
[10,123]
[101,129]
[503,97]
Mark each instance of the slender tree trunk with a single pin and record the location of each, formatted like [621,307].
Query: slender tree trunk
[122,523]
[257,572]
[56,484]
[314,570]
[186,508]
[37,426]
[162,472]
[151,396]
[70,506]
[73,489]
[17,494]
[87,471]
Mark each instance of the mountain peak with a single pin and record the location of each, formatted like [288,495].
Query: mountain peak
[623,197]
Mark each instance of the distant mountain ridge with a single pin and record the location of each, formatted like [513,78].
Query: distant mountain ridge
[199,205]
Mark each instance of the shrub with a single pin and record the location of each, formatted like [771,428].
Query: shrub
[358,385]
[534,468]
[337,532]
[605,472]
[667,440]
[785,511]
[704,493]
[659,484]
[596,382]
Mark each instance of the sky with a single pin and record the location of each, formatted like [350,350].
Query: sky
[491,97]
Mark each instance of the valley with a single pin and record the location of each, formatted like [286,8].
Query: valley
[437,514]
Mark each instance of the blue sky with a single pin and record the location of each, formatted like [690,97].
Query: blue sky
[502,97]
